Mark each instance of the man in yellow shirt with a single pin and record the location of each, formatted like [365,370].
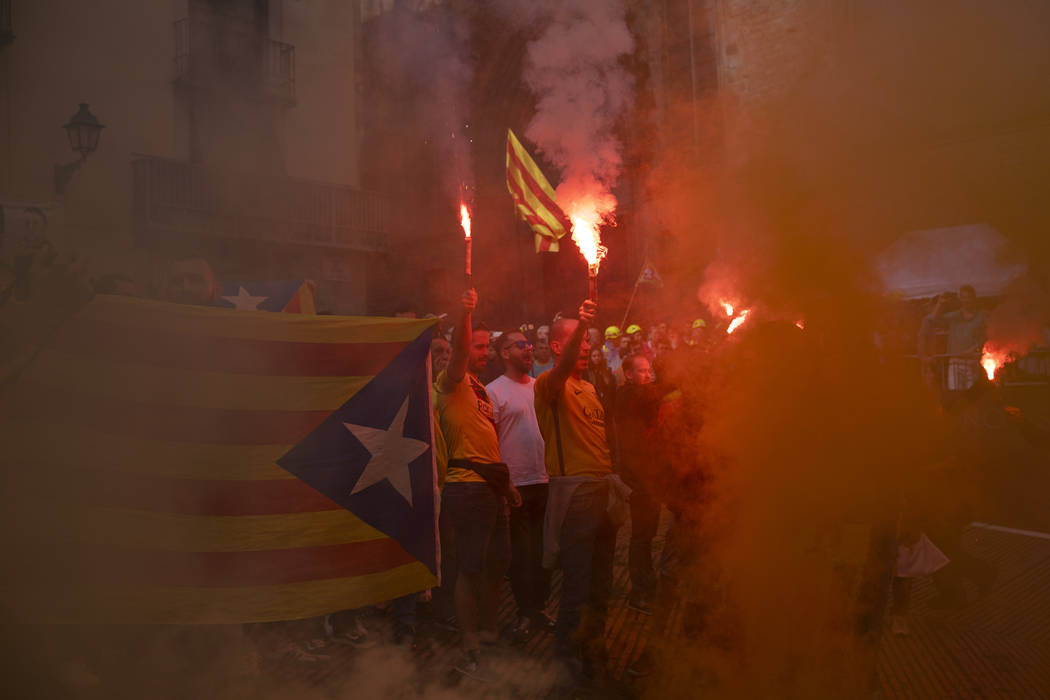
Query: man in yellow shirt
[579,535]
[477,486]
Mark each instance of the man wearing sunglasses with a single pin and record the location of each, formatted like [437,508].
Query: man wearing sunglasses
[521,445]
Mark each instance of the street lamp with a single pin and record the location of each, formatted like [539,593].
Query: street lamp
[84,131]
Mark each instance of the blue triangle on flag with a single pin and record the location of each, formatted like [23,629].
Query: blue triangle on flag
[332,458]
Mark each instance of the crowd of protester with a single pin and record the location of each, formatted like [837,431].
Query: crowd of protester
[553,435]
[549,437]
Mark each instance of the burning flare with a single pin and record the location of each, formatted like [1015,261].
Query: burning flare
[464,220]
[992,361]
[585,223]
[738,321]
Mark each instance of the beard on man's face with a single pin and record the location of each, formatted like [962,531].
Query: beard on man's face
[522,363]
[477,364]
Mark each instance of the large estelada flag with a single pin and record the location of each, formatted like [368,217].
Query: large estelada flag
[290,296]
[181,464]
[534,198]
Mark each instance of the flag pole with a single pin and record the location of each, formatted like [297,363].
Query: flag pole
[630,302]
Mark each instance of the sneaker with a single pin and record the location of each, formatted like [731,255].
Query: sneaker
[302,654]
[543,621]
[520,633]
[357,636]
[899,626]
[639,604]
[468,665]
[643,665]
[448,624]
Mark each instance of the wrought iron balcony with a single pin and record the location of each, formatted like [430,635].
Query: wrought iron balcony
[174,199]
[7,34]
[212,54]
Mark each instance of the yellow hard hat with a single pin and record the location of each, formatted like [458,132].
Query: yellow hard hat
[612,332]
[699,323]
[633,328]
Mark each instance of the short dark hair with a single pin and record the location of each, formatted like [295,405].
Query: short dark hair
[504,339]
[628,362]
[563,328]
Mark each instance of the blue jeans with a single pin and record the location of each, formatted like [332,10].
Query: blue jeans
[588,542]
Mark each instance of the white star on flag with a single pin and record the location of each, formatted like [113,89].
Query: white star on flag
[391,452]
[245,301]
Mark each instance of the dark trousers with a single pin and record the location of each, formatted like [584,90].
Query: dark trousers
[588,542]
[947,535]
[404,609]
[645,517]
[443,605]
[529,581]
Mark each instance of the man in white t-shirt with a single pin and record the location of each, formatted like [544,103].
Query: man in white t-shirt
[521,447]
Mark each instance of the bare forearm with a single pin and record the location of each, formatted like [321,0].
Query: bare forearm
[569,355]
[457,364]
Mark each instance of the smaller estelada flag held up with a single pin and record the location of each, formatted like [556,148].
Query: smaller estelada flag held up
[534,198]
[289,296]
[649,275]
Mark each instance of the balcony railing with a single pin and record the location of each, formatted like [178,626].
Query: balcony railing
[176,199]
[7,34]
[951,373]
[210,53]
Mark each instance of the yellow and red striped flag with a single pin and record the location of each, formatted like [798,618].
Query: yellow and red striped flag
[184,464]
[534,198]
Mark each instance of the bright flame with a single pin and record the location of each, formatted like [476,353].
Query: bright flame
[992,361]
[585,223]
[464,220]
[800,324]
[738,321]
[727,307]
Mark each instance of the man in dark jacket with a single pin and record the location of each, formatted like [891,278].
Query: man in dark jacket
[641,460]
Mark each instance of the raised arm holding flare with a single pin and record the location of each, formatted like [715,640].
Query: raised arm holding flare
[579,535]
[461,337]
[477,486]
[568,347]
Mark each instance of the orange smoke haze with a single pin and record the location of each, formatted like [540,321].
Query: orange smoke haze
[810,439]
